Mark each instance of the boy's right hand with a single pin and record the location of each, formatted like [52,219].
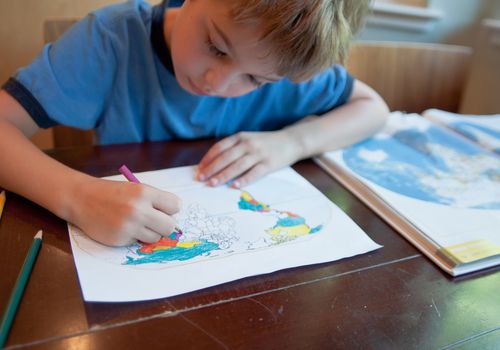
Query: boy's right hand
[119,213]
[111,212]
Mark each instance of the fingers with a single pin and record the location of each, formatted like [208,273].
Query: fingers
[233,170]
[165,202]
[232,159]
[160,223]
[153,214]
[147,235]
[215,152]
[252,175]
[120,212]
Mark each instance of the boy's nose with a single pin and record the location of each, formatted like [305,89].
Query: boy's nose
[217,82]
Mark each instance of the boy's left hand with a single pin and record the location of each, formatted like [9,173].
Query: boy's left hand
[247,156]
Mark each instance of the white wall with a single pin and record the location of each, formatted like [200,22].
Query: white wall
[459,24]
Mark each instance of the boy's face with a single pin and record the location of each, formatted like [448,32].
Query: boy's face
[214,56]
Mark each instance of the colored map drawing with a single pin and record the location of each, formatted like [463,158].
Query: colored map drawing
[181,252]
[204,233]
[198,224]
[163,243]
[288,227]
[247,202]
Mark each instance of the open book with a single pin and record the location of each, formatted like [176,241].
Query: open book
[438,189]
[481,129]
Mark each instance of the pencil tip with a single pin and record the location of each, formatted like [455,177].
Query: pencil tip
[38,235]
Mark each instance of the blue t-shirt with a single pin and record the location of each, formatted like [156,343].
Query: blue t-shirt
[112,72]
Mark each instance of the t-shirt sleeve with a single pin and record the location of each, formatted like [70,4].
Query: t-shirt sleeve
[344,86]
[336,84]
[324,92]
[70,80]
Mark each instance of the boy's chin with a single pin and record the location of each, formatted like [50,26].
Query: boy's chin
[190,87]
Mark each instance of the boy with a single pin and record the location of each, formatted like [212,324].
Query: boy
[210,68]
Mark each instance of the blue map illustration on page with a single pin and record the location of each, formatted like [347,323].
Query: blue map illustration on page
[478,133]
[428,163]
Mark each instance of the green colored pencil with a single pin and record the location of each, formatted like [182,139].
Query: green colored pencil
[17,292]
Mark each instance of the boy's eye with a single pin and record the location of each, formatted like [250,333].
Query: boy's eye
[254,81]
[214,50]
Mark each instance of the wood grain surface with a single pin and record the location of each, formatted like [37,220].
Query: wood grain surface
[392,298]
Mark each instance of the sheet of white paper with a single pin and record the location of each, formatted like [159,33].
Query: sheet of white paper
[447,187]
[281,221]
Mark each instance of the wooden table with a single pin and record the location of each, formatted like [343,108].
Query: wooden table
[392,298]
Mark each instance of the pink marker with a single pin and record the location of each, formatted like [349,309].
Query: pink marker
[128,174]
[131,177]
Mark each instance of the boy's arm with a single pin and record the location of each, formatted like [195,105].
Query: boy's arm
[138,211]
[246,156]
[362,116]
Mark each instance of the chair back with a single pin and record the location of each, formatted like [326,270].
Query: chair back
[412,77]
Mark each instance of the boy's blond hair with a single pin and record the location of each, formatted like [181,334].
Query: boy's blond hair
[307,36]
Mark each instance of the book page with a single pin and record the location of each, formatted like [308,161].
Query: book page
[447,187]
[279,222]
[482,129]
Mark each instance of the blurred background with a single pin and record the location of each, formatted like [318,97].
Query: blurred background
[473,24]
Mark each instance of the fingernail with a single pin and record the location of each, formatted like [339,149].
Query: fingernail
[213,181]
[235,184]
[199,175]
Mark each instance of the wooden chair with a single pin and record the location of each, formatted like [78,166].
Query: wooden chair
[65,136]
[412,77]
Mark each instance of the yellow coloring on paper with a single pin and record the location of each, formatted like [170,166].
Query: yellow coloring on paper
[189,244]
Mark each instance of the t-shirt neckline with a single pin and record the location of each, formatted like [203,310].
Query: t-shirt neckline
[158,38]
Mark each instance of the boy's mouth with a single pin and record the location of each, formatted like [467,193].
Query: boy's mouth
[196,89]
